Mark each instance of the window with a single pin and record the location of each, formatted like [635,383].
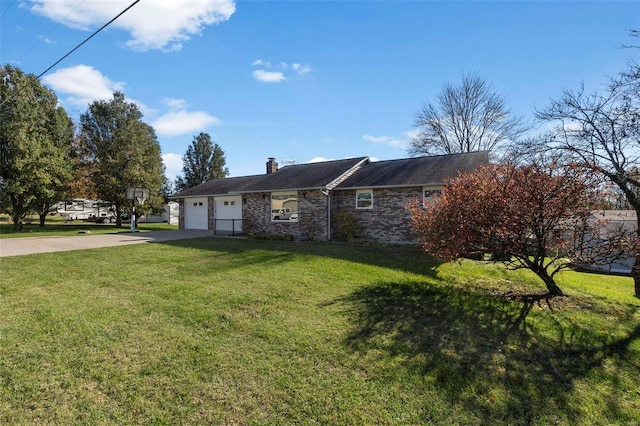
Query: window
[284,206]
[74,205]
[364,199]
[428,193]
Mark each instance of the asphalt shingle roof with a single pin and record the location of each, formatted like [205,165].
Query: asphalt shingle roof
[415,171]
[403,172]
[299,176]
[218,186]
[303,176]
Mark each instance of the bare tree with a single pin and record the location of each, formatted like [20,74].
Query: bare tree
[469,117]
[600,131]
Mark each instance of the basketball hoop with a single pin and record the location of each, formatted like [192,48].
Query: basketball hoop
[136,194]
[139,194]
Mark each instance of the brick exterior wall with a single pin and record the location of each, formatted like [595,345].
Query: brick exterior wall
[312,216]
[181,213]
[389,220]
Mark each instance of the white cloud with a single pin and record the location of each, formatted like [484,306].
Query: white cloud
[376,139]
[157,24]
[318,160]
[395,142]
[260,62]
[173,164]
[572,126]
[175,104]
[276,76]
[179,121]
[268,76]
[411,134]
[83,85]
[301,69]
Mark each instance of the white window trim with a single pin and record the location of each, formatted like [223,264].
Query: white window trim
[364,191]
[429,188]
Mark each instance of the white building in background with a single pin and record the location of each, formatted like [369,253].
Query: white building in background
[617,221]
[170,215]
[85,209]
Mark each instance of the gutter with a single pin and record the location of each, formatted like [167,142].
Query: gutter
[327,194]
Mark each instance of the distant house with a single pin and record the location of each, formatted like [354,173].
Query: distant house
[616,222]
[299,200]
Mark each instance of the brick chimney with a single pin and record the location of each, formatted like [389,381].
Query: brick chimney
[272,166]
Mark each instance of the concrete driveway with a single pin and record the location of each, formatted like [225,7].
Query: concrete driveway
[31,245]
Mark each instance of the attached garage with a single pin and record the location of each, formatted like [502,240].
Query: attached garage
[196,213]
[228,215]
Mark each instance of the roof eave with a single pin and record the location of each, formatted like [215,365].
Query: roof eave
[404,185]
[254,191]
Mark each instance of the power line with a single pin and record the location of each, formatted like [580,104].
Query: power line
[50,31]
[11,4]
[88,38]
[74,49]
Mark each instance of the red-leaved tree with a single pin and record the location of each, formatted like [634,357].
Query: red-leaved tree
[537,217]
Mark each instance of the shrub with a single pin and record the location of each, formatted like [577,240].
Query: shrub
[270,236]
[346,226]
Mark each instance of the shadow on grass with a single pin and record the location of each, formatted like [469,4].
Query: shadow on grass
[407,259]
[483,353]
[71,229]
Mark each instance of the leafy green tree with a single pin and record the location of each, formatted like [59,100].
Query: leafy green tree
[35,146]
[203,161]
[124,151]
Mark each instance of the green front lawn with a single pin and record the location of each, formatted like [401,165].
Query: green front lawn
[226,331]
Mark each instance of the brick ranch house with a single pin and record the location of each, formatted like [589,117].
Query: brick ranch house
[300,199]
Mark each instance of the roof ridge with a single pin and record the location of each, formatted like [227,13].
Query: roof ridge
[431,156]
[337,181]
[324,162]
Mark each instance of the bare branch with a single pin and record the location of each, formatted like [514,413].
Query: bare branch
[469,117]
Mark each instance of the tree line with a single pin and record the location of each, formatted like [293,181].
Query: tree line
[46,158]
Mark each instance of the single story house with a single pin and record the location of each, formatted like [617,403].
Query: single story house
[301,199]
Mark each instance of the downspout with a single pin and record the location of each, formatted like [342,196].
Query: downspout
[327,194]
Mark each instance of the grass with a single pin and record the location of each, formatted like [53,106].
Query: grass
[57,228]
[225,331]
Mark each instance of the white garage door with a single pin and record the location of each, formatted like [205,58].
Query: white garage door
[196,213]
[228,215]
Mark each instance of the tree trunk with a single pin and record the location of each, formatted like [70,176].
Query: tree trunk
[552,287]
[635,271]
[17,223]
[43,217]
[118,217]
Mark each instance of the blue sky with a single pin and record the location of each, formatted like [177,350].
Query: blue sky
[310,80]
